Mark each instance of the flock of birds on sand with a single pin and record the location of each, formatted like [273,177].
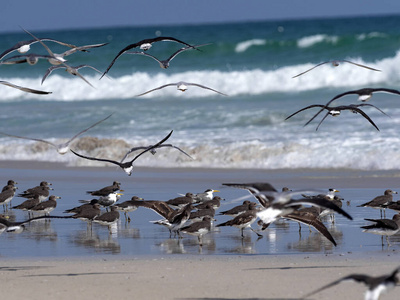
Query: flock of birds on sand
[194,213]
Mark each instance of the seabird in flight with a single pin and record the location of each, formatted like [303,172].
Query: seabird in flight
[24,89]
[144,45]
[336,63]
[336,110]
[182,86]
[376,285]
[164,64]
[126,166]
[61,148]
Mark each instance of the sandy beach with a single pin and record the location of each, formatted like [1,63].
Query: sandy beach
[191,277]
[220,275]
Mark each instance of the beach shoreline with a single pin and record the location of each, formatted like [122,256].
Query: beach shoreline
[192,277]
[189,276]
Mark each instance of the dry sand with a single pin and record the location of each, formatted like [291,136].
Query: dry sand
[191,277]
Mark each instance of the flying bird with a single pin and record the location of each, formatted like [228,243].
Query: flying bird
[126,166]
[182,86]
[63,147]
[376,285]
[153,150]
[164,64]
[336,63]
[71,70]
[144,45]
[24,89]
[364,95]
[24,46]
[336,110]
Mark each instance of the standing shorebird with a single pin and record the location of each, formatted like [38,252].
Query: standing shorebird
[380,202]
[383,227]
[199,228]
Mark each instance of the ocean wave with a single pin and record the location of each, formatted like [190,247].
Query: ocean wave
[309,41]
[243,46]
[354,153]
[233,83]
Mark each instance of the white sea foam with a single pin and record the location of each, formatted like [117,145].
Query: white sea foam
[233,83]
[309,41]
[243,46]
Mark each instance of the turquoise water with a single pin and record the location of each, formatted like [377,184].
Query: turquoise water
[251,62]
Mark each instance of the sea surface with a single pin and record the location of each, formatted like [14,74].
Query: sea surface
[252,62]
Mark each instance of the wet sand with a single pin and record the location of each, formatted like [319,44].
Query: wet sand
[219,275]
[191,277]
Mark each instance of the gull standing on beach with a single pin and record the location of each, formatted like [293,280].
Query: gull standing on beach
[380,202]
[63,147]
[182,86]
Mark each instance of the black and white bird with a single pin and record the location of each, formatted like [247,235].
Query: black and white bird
[46,207]
[24,89]
[144,45]
[376,285]
[199,228]
[181,201]
[336,63]
[105,191]
[127,167]
[244,220]
[363,94]
[108,218]
[182,86]
[336,111]
[128,206]
[153,150]
[61,148]
[164,64]
[380,202]
[383,227]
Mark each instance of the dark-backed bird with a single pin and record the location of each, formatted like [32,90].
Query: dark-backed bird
[381,202]
[376,285]
[6,195]
[215,202]
[310,219]
[181,86]
[105,191]
[108,218]
[336,63]
[199,228]
[164,64]
[179,202]
[243,221]
[24,89]
[63,147]
[383,227]
[364,95]
[144,45]
[153,150]
[126,166]
[79,208]
[128,206]
[336,110]
[46,206]
[237,210]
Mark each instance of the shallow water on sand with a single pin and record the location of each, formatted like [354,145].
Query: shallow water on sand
[64,237]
